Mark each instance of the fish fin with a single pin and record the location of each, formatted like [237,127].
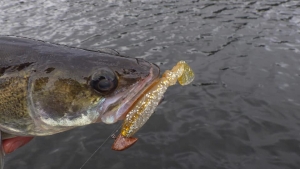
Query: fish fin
[2,153]
[122,143]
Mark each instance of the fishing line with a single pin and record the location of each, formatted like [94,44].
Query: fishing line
[112,136]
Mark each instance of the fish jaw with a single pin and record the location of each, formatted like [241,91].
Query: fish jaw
[127,98]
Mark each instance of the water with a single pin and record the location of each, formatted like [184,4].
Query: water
[242,111]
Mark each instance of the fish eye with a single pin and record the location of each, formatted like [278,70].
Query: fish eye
[104,81]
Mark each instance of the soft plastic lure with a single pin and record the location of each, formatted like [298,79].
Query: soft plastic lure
[146,104]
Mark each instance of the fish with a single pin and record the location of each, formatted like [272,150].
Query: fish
[47,88]
[144,107]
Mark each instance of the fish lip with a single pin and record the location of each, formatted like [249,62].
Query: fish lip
[130,97]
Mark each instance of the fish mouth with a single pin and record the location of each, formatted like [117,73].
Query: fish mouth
[125,100]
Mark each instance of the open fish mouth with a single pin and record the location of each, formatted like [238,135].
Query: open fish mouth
[124,100]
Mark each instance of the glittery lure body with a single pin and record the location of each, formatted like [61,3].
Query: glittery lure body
[144,107]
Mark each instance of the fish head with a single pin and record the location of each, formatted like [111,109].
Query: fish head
[86,88]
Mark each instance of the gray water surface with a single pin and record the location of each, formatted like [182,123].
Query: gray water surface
[241,112]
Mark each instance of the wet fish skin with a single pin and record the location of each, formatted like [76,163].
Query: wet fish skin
[45,88]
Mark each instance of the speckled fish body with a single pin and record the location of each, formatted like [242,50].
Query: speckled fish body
[47,88]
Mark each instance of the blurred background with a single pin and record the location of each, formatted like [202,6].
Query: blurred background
[241,112]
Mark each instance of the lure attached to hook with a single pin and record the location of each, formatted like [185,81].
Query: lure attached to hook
[144,107]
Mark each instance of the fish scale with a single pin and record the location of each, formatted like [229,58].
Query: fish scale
[13,105]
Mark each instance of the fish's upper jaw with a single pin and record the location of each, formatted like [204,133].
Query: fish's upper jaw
[125,99]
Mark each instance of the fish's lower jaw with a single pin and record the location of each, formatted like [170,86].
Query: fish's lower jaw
[122,142]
